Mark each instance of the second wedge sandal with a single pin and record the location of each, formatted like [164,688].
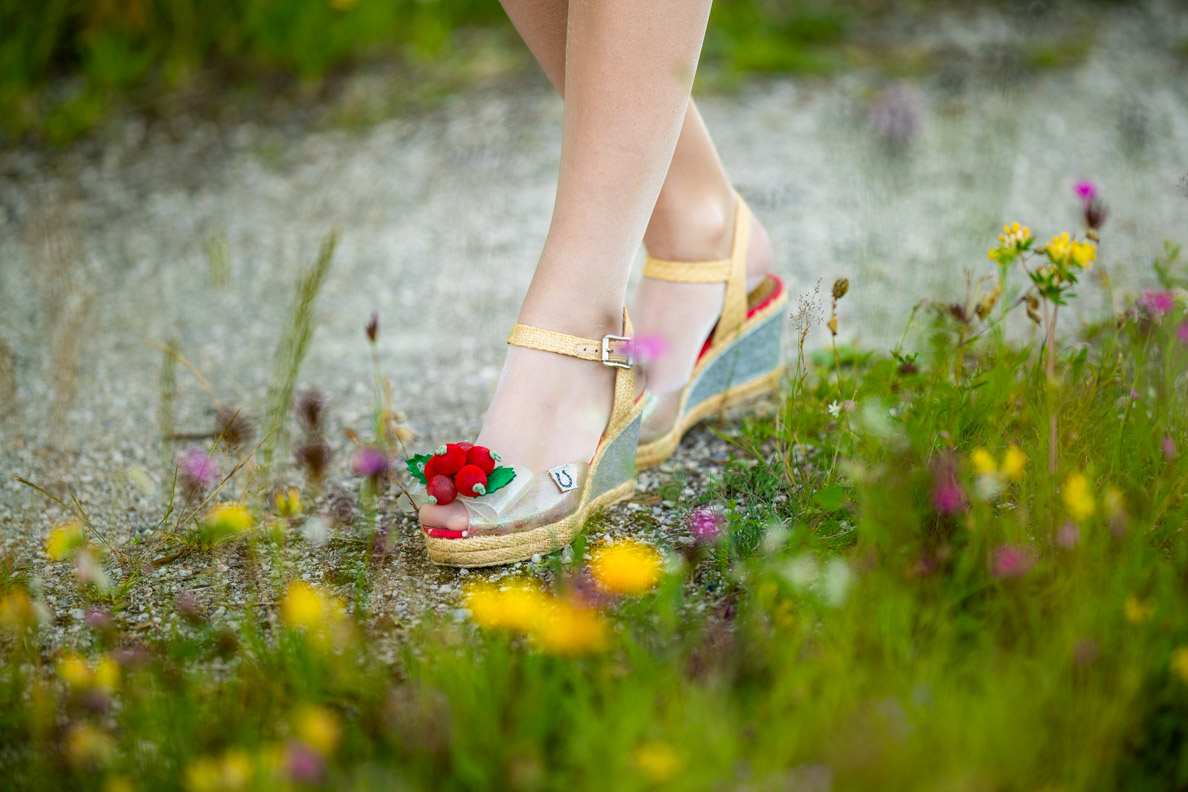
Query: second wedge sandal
[515,514]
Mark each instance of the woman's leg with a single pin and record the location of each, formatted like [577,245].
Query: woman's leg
[628,69]
[692,220]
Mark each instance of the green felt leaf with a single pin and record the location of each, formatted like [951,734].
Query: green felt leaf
[416,466]
[500,477]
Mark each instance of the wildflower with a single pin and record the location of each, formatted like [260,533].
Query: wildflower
[372,327]
[197,468]
[649,347]
[86,745]
[1182,333]
[1168,447]
[74,671]
[706,524]
[834,408]
[1016,236]
[233,427]
[89,570]
[947,495]
[987,302]
[841,287]
[1011,561]
[1179,663]
[519,606]
[1064,251]
[65,540]
[626,568]
[1085,190]
[107,674]
[303,765]
[306,606]
[225,520]
[1078,498]
[16,610]
[98,618]
[231,773]
[1158,303]
[572,629]
[982,462]
[370,463]
[318,728]
[1094,212]
[657,762]
[1014,462]
[1069,535]
[1138,611]
[289,504]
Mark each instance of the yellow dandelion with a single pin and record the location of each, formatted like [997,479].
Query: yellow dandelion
[306,606]
[107,674]
[572,629]
[65,540]
[1139,611]
[318,728]
[1014,463]
[519,606]
[982,462]
[1179,663]
[74,670]
[657,762]
[1078,498]
[226,520]
[626,568]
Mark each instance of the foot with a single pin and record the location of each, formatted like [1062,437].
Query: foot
[682,315]
[548,409]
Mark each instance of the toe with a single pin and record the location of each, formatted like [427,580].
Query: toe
[451,518]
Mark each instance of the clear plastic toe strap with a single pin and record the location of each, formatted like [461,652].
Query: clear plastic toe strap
[540,499]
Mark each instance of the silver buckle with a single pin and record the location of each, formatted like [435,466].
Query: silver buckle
[606,352]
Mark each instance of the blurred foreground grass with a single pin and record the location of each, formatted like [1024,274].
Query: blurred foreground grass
[65,65]
[957,565]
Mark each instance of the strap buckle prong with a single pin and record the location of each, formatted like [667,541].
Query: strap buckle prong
[606,352]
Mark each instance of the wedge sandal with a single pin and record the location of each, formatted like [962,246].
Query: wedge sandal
[514,513]
[740,360]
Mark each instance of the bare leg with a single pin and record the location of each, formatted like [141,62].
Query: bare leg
[628,69]
[692,219]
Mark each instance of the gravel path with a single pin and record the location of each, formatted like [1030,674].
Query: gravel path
[149,236]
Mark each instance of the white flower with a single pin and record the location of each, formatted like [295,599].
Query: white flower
[834,408]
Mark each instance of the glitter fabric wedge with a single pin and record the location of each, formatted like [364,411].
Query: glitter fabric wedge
[522,514]
[740,360]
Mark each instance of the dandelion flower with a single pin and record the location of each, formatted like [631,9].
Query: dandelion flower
[571,629]
[318,728]
[1078,498]
[982,462]
[1138,611]
[1179,663]
[657,762]
[107,674]
[519,606]
[1014,462]
[74,671]
[626,568]
[65,540]
[306,606]
[225,520]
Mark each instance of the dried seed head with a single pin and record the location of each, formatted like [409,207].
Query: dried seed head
[840,287]
[234,427]
[957,310]
[313,457]
[1095,213]
[310,405]
[372,327]
[1032,302]
[833,324]
[1033,315]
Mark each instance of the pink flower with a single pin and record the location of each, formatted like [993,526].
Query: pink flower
[1085,190]
[370,462]
[1068,536]
[1158,303]
[303,764]
[197,468]
[706,523]
[947,495]
[1182,333]
[1168,446]
[649,347]
[1011,561]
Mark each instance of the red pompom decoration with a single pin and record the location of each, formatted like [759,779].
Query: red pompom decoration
[480,456]
[471,481]
[441,488]
[466,446]
[449,459]
[430,469]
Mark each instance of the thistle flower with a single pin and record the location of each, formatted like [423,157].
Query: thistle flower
[1068,535]
[1011,561]
[947,495]
[370,463]
[198,470]
[1094,213]
[706,524]
[1085,190]
[1158,303]
[628,568]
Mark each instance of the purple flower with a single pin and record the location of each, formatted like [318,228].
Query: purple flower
[1158,303]
[197,468]
[1085,190]
[98,618]
[947,495]
[1168,446]
[303,764]
[649,347]
[1134,395]
[1182,333]
[706,524]
[1011,561]
[370,462]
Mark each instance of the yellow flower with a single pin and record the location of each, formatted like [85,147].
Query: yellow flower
[626,568]
[1083,254]
[65,540]
[226,520]
[1014,462]
[74,670]
[1179,663]
[107,674]
[657,762]
[16,609]
[1113,502]
[1138,611]
[1059,248]
[1078,498]
[983,463]
[572,629]
[288,504]
[306,606]
[87,745]
[1015,236]
[519,606]
[318,728]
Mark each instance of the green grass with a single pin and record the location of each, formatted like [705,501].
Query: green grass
[888,609]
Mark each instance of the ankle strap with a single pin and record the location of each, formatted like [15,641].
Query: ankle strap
[612,350]
[732,271]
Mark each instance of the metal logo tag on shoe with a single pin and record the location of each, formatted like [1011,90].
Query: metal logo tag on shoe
[565,477]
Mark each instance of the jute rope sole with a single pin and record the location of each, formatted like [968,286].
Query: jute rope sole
[482,551]
[651,454]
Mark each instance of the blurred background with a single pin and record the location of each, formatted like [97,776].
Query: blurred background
[168,168]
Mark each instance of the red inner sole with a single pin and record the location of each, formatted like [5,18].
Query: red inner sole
[775,293]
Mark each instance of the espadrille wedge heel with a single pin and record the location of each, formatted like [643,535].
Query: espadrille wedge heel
[514,513]
[740,360]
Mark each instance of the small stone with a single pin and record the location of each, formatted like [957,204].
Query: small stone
[536,558]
